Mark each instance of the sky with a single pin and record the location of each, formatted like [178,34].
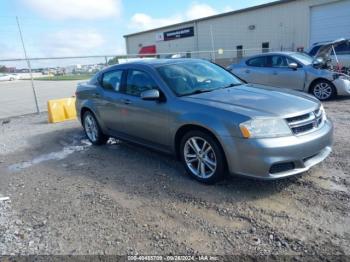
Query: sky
[54,28]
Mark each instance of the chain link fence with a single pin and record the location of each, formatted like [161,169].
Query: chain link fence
[23,92]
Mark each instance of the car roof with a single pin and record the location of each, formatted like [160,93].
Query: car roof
[271,53]
[278,53]
[158,62]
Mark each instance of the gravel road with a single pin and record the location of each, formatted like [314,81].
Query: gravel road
[69,197]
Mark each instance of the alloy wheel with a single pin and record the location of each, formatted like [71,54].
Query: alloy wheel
[91,128]
[200,157]
[323,91]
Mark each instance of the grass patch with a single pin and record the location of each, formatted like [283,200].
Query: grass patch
[64,77]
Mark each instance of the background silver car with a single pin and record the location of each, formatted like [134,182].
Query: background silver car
[293,70]
[207,117]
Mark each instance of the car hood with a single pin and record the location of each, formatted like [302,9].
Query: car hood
[326,49]
[258,100]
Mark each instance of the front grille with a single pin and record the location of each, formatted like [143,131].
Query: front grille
[281,167]
[302,129]
[305,123]
[298,118]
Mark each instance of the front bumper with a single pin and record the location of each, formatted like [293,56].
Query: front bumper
[342,86]
[293,155]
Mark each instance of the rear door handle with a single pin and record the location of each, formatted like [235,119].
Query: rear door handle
[247,71]
[96,95]
[126,101]
[275,73]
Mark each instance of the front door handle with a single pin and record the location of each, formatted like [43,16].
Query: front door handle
[247,71]
[275,73]
[126,101]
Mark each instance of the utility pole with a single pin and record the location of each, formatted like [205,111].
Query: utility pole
[29,67]
[212,42]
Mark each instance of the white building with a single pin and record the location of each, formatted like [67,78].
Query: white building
[280,25]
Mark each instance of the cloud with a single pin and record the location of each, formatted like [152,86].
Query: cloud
[76,9]
[228,9]
[197,10]
[72,43]
[141,21]
[9,51]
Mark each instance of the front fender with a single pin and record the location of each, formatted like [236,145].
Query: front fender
[214,124]
[224,131]
[220,124]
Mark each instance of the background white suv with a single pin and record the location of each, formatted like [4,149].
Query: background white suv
[8,77]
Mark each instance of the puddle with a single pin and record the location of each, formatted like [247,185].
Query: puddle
[59,155]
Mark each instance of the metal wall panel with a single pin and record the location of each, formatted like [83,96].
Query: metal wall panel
[330,21]
[284,26]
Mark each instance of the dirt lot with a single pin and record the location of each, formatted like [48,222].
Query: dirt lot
[68,197]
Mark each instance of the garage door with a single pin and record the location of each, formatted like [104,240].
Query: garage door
[330,21]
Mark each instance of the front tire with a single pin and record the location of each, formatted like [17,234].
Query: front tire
[323,90]
[93,130]
[202,157]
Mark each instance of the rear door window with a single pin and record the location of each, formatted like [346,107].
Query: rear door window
[138,82]
[94,80]
[277,61]
[112,80]
[257,61]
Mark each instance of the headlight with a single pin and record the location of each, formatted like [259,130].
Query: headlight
[265,128]
[341,76]
[345,77]
[324,115]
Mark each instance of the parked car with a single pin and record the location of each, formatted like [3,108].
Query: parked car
[293,70]
[8,77]
[338,54]
[207,117]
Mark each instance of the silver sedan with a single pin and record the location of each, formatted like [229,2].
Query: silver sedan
[293,70]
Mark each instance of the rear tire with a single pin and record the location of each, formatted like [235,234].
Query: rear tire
[93,130]
[323,90]
[202,157]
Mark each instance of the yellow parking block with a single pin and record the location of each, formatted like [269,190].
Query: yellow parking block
[61,110]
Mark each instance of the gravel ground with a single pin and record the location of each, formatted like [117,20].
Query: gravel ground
[69,197]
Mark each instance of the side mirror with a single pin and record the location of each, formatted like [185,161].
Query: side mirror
[293,66]
[150,95]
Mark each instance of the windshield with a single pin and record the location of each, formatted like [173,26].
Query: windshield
[303,58]
[196,77]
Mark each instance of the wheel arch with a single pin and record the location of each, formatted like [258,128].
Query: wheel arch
[194,127]
[313,82]
[83,110]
